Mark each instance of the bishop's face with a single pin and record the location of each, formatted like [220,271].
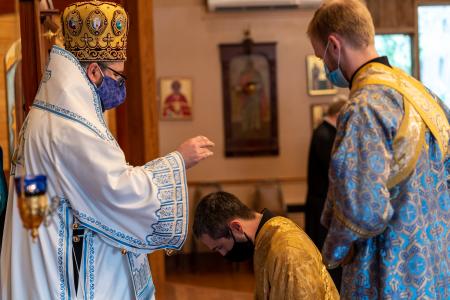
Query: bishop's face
[113,70]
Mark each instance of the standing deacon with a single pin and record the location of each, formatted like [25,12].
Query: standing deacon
[111,214]
[388,202]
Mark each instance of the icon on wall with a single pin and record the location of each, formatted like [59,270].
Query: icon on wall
[175,98]
[318,84]
[250,98]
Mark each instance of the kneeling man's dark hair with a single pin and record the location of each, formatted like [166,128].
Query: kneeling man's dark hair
[214,212]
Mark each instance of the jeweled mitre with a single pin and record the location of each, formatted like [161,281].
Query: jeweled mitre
[95,31]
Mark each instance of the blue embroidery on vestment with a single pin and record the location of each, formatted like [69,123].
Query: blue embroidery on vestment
[60,250]
[164,229]
[69,115]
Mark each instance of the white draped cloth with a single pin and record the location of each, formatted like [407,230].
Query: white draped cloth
[138,209]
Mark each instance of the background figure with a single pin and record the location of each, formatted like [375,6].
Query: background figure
[176,104]
[318,164]
[251,91]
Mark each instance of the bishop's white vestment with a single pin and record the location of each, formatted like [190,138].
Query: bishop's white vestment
[121,207]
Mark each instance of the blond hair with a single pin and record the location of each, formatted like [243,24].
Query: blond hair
[348,18]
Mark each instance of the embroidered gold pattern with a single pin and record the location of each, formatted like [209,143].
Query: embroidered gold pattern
[421,111]
[96,31]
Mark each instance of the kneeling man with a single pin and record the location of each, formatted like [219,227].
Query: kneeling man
[287,264]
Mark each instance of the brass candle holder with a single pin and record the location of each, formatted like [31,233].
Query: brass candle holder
[33,202]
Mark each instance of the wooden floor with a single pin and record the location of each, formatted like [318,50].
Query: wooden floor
[178,291]
[213,283]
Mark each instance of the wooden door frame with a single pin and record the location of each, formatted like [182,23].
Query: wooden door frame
[31,56]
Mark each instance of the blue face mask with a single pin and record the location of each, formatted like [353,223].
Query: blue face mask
[336,77]
[111,92]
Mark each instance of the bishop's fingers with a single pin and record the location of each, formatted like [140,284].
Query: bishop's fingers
[208,144]
[205,142]
[205,153]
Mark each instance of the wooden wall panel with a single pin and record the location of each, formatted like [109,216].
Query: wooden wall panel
[7,7]
[8,35]
[393,15]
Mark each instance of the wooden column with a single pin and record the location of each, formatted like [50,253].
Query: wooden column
[31,56]
[137,119]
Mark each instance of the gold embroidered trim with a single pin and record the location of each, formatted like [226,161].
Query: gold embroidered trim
[406,168]
[353,227]
[430,111]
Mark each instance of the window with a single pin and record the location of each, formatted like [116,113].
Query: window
[434,49]
[398,48]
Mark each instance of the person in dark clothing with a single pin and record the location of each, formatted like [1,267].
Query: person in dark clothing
[318,163]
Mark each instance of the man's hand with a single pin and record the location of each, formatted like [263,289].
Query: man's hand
[194,150]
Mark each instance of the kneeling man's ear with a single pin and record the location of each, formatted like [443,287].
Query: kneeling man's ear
[236,226]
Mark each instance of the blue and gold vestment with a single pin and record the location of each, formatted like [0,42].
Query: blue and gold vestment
[388,205]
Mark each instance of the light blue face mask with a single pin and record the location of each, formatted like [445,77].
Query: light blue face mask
[336,77]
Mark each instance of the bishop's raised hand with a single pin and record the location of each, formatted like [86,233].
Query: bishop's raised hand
[195,150]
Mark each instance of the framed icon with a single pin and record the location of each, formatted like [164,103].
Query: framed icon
[318,84]
[175,98]
[249,98]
